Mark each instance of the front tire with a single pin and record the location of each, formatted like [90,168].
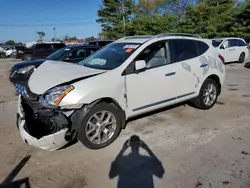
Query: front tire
[100,126]
[242,58]
[208,95]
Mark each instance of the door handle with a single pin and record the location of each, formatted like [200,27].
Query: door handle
[232,50]
[204,65]
[170,74]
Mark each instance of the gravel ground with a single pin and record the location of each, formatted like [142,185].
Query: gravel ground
[199,149]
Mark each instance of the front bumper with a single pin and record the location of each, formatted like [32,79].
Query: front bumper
[33,131]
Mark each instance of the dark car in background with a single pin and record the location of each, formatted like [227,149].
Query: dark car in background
[21,72]
[18,51]
[40,50]
[100,42]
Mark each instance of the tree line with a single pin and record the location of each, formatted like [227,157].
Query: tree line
[208,18]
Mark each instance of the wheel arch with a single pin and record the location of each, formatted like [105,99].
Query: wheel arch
[217,79]
[114,102]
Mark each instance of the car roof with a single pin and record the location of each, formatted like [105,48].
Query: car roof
[82,46]
[144,38]
[104,40]
[223,38]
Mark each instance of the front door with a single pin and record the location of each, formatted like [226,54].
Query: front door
[227,51]
[154,87]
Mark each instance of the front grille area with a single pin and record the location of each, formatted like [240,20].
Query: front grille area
[42,121]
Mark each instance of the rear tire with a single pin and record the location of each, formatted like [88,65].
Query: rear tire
[95,131]
[208,95]
[242,58]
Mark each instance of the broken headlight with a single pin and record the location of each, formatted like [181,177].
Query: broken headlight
[55,95]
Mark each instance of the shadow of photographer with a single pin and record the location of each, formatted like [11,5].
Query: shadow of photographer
[134,169]
[9,183]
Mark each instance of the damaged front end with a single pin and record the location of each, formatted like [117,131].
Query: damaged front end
[48,128]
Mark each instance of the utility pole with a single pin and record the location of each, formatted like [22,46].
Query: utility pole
[124,21]
[123,11]
[54,34]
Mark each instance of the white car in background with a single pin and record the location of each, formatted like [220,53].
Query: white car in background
[232,49]
[8,51]
[131,76]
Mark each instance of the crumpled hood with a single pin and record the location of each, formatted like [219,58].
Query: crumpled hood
[53,73]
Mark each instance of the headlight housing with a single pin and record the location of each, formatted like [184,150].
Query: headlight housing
[55,95]
[25,69]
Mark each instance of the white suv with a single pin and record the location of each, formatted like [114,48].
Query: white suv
[232,49]
[131,76]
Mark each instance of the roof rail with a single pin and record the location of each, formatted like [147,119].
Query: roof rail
[179,34]
[136,37]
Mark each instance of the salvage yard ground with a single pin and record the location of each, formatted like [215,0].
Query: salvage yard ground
[208,149]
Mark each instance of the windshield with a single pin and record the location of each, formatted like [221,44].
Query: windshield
[216,43]
[58,54]
[111,56]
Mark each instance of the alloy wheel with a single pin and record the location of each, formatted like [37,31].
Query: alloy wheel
[101,127]
[209,95]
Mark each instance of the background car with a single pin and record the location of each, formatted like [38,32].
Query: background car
[232,49]
[22,71]
[40,50]
[18,51]
[100,42]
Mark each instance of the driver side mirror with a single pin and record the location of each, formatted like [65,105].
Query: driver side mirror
[140,65]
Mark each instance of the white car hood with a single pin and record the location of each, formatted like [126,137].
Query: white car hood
[53,73]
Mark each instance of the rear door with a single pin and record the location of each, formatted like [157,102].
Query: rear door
[186,57]
[235,49]
[243,47]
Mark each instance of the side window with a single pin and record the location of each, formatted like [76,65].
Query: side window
[77,53]
[202,47]
[81,53]
[233,42]
[242,43]
[226,44]
[183,49]
[154,55]
[92,50]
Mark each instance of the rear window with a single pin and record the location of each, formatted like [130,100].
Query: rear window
[216,43]
[202,47]
[242,43]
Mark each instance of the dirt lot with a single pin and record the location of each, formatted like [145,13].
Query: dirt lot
[199,149]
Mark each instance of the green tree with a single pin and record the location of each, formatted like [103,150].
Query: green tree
[88,39]
[113,13]
[10,42]
[210,18]
[72,38]
[41,35]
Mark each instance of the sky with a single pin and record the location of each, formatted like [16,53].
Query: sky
[20,19]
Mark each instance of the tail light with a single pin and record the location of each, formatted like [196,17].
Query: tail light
[222,58]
